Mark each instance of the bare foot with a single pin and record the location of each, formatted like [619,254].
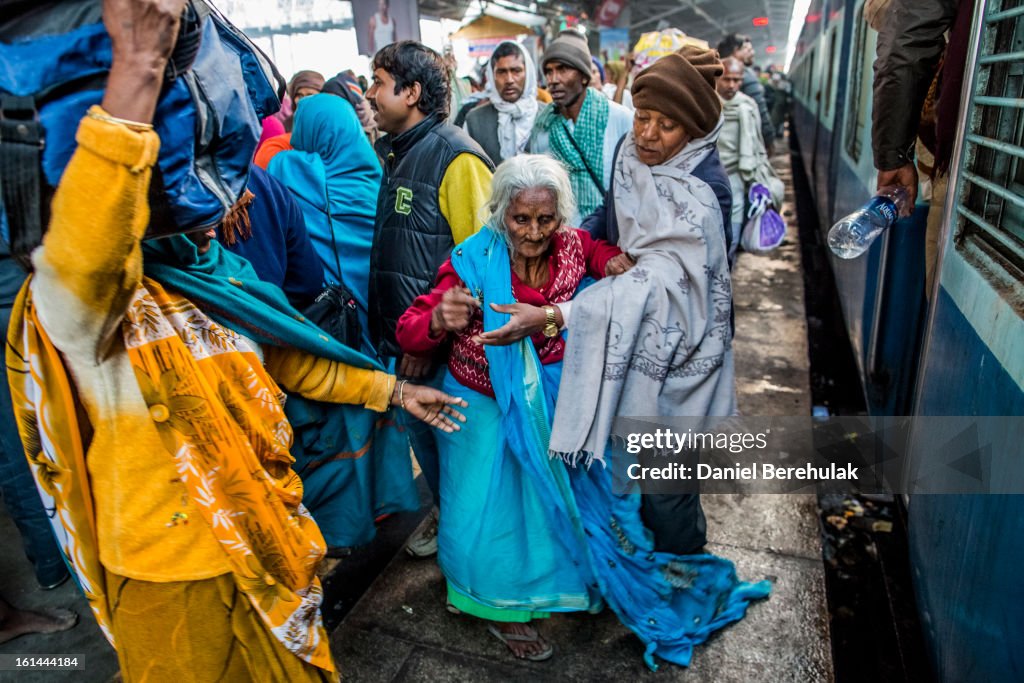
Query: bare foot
[522,639]
[15,622]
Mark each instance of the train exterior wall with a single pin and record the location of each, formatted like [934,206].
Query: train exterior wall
[966,550]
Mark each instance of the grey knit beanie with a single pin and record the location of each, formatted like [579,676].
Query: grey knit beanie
[570,47]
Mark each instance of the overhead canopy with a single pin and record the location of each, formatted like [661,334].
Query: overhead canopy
[443,9]
[713,19]
[486,26]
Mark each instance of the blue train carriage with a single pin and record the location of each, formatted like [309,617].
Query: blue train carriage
[959,355]
[882,293]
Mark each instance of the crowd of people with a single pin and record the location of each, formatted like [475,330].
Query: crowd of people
[203,445]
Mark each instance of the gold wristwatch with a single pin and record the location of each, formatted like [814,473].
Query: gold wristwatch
[550,326]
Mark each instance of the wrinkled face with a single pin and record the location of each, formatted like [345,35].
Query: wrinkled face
[532,218]
[390,111]
[729,82]
[510,77]
[745,53]
[304,91]
[565,84]
[658,138]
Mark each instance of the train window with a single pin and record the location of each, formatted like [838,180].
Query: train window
[830,66]
[860,84]
[991,206]
[810,78]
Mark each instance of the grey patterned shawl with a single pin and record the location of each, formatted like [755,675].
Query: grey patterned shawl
[656,340]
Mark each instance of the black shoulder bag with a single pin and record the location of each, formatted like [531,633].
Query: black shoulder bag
[335,310]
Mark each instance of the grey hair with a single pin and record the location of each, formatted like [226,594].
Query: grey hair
[524,172]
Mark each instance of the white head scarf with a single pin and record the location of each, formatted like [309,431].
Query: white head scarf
[515,119]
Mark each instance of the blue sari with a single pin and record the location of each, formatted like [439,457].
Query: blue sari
[335,177]
[671,602]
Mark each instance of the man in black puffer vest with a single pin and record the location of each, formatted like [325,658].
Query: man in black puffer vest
[436,179]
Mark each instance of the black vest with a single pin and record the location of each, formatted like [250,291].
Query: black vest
[411,238]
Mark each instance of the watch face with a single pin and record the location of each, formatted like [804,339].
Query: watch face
[550,330]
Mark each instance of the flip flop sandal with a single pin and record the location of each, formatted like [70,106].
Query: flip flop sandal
[541,656]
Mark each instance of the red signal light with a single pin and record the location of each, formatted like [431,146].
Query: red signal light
[760,21]
[770,50]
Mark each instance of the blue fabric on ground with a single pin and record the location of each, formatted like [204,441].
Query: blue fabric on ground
[672,602]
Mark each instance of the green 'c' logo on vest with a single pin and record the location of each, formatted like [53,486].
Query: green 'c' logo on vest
[403,201]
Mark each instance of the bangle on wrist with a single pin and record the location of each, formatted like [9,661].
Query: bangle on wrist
[401,392]
[100,115]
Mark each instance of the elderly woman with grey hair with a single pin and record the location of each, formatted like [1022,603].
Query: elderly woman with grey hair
[509,553]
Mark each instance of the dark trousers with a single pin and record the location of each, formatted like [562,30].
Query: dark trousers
[676,520]
[671,510]
[20,494]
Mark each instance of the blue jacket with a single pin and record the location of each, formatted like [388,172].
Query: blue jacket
[280,250]
[603,224]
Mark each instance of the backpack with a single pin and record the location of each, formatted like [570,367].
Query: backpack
[54,59]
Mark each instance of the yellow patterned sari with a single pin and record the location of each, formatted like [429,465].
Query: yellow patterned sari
[220,418]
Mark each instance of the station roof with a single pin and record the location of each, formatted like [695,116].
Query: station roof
[713,19]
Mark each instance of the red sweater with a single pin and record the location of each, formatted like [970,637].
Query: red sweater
[574,253]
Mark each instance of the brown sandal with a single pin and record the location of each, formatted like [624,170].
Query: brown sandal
[541,656]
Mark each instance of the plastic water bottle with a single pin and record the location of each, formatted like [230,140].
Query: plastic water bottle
[851,236]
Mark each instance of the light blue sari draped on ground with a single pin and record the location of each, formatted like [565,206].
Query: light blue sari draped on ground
[354,466]
[671,602]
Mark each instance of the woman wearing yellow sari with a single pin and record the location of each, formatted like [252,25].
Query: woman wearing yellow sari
[155,426]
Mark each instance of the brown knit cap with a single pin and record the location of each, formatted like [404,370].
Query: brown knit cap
[682,87]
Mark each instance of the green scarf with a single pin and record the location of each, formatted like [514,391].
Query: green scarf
[225,287]
[589,137]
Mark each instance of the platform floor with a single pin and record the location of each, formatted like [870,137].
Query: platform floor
[399,629]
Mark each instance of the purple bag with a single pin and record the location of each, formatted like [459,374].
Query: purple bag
[765,229]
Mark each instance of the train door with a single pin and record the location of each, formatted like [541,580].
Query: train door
[966,549]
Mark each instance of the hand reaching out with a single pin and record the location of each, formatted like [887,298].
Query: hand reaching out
[429,405]
[526,320]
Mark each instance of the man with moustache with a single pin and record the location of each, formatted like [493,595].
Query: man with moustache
[436,180]
[581,127]
[503,125]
